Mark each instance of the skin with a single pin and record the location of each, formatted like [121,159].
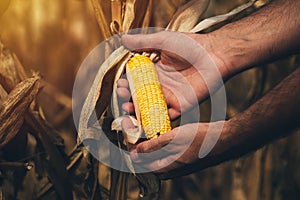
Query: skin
[269,34]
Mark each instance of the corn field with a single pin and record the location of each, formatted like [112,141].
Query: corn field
[42,46]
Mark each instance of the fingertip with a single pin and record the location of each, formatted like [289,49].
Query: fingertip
[128,107]
[142,42]
[173,114]
[122,82]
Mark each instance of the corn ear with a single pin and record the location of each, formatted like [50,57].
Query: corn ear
[149,101]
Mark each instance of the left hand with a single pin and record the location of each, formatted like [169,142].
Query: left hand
[177,149]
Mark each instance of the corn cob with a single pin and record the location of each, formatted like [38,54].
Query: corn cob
[149,101]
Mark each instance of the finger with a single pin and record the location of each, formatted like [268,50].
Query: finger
[145,159]
[174,113]
[156,143]
[160,165]
[128,107]
[123,93]
[172,102]
[122,82]
[143,41]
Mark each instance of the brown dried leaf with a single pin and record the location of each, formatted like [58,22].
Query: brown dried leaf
[101,20]
[101,90]
[14,106]
[8,72]
[116,13]
[119,73]
[149,185]
[188,15]
[3,94]
[209,22]
[54,163]
[147,15]
[136,14]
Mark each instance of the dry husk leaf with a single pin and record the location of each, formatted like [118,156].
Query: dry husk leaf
[115,106]
[8,71]
[3,94]
[136,14]
[14,107]
[209,22]
[103,81]
[102,23]
[188,15]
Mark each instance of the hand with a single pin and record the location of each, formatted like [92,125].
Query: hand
[179,148]
[187,71]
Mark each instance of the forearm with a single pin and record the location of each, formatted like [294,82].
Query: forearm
[273,116]
[270,33]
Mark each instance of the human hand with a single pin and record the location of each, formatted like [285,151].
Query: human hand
[181,150]
[186,70]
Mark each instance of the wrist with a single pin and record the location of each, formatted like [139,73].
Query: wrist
[217,48]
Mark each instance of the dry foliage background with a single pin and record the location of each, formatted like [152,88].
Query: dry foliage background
[53,38]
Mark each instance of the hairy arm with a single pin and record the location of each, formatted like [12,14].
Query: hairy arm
[266,35]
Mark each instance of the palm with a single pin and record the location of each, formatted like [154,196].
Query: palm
[177,78]
[186,71]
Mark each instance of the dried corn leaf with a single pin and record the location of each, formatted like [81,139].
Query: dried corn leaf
[14,107]
[149,186]
[119,181]
[209,22]
[136,14]
[100,17]
[119,73]
[8,71]
[3,94]
[54,162]
[116,13]
[147,15]
[102,82]
[188,15]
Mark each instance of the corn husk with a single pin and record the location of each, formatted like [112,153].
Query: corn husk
[13,108]
[96,89]
[209,22]
[188,15]
[136,14]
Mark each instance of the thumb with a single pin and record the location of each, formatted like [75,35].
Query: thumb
[143,41]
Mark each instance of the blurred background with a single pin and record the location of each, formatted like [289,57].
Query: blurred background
[53,37]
